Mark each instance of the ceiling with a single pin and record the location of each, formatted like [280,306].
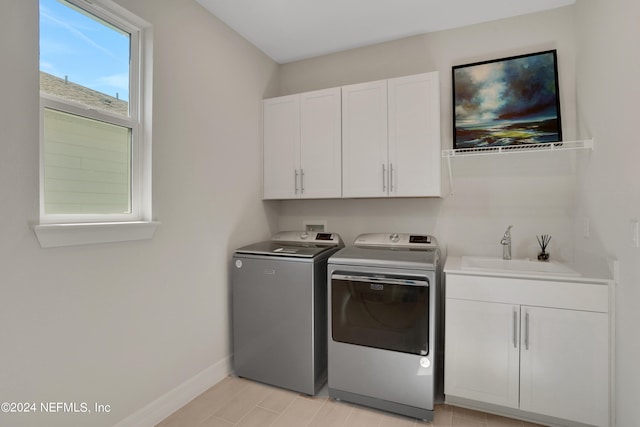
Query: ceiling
[290,30]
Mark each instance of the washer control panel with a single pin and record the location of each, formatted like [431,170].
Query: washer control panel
[311,237]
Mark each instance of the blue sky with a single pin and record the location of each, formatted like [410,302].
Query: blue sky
[84,49]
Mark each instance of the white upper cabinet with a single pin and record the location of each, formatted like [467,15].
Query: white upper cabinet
[302,147]
[321,146]
[391,137]
[281,142]
[374,139]
[414,136]
[364,140]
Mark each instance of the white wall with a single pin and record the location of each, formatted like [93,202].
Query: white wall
[609,192]
[534,192]
[121,324]
[538,193]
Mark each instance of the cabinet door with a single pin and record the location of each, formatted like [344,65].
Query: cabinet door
[565,363]
[281,145]
[364,140]
[320,144]
[414,136]
[482,351]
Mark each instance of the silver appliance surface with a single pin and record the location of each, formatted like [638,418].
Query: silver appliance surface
[381,257]
[383,320]
[279,310]
[302,244]
[415,251]
[402,241]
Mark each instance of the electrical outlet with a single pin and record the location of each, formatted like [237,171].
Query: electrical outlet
[315,225]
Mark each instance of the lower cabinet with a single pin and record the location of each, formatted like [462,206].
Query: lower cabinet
[481,361]
[564,364]
[543,360]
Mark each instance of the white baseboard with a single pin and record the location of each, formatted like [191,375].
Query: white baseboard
[175,399]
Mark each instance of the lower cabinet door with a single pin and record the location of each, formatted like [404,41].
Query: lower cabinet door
[482,351]
[564,364]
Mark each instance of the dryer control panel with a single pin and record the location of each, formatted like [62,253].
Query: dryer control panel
[397,240]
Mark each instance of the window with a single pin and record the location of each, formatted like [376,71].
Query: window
[94,117]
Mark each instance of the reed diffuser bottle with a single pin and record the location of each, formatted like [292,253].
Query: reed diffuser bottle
[543,241]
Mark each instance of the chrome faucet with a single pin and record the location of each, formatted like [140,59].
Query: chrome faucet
[506,243]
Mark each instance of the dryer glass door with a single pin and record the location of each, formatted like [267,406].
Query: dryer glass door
[383,311]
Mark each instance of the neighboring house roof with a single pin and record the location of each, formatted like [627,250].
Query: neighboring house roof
[89,97]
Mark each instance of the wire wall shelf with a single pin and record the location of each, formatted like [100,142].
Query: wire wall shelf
[510,149]
[523,148]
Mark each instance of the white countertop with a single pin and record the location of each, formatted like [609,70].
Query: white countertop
[588,272]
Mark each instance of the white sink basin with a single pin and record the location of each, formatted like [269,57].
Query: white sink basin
[520,266]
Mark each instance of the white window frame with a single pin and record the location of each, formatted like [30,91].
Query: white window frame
[76,229]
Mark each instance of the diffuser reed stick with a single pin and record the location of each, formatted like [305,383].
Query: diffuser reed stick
[543,241]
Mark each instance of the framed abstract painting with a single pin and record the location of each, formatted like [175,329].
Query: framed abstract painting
[508,101]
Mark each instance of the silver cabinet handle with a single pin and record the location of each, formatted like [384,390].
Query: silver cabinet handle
[526,331]
[301,181]
[390,177]
[384,181]
[295,180]
[515,329]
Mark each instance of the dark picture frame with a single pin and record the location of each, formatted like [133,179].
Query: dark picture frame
[507,101]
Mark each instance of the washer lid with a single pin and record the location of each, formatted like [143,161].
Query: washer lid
[303,244]
[285,249]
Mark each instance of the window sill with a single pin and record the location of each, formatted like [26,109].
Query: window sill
[55,235]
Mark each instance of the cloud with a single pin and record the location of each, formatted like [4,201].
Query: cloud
[520,88]
[47,67]
[479,93]
[76,30]
[55,47]
[119,81]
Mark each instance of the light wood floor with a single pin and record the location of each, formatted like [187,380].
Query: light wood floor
[243,403]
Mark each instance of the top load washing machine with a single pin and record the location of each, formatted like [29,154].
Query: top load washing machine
[279,303]
[383,315]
